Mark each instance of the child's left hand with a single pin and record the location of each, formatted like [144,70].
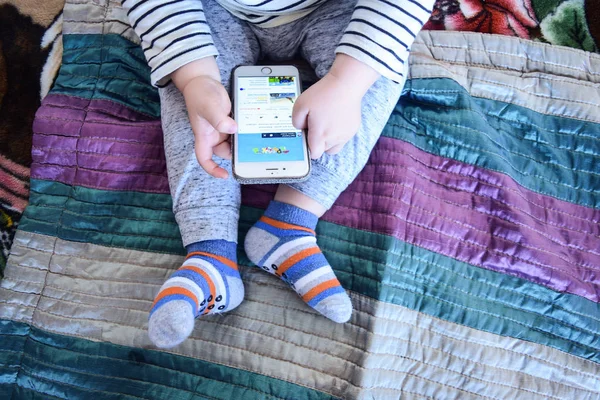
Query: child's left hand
[331,108]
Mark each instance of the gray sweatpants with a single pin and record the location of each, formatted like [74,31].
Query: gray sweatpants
[207,208]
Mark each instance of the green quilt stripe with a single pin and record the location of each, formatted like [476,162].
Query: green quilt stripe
[107,67]
[78,368]
[132,220]
[439,116]
[375,265]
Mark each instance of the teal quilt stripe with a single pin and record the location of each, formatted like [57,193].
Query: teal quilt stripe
[107,67]
[551,155]
[133,220]
[68,367]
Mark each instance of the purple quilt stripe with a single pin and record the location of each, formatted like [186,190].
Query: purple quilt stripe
[98,162]
[98,144]
[471,214]
[100,106]
[136,182]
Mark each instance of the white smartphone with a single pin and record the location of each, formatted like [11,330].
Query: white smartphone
[267,148]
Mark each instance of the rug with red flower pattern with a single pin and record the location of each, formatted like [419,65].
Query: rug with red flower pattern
[572,23]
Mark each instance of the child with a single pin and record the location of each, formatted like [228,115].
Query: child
[358,49]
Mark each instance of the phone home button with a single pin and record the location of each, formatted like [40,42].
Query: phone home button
[266,70]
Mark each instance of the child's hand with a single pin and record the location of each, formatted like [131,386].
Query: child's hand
[331,108]
[208,106]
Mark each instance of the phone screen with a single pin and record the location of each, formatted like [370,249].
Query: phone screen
[264,117]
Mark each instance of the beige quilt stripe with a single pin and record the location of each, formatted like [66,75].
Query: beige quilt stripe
[565,82]
[97,17]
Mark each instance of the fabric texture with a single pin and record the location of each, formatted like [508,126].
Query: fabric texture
[571,23]
[468,244]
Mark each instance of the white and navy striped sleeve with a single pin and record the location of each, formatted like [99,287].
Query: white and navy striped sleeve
[381,32]
[173,33]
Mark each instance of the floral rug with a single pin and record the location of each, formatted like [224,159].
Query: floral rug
[30,54]
[572,23]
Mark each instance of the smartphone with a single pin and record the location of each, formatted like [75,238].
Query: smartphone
[267,148]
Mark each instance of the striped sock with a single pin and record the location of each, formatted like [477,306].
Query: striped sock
[208,282]
[283,243]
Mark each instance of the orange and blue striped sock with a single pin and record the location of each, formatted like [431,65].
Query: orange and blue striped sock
[283,243]
[208,282]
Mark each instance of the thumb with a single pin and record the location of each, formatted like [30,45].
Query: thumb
[215,107]
[300,114]
[225,125]
[218,117]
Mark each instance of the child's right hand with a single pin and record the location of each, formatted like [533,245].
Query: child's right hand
[208,106]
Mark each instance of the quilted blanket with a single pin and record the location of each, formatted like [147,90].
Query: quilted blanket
[30,56]
[470,243]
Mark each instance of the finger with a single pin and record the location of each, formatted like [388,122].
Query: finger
[335,149]
[216,114]
[300,114]
[216,120]
[223,149]
[204,153]
[316,143]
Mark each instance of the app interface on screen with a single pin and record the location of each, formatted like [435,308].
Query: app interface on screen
[264,117]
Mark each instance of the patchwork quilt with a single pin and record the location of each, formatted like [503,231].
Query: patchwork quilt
[470,243]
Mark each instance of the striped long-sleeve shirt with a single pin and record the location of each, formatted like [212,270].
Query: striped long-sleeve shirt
[175,32]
